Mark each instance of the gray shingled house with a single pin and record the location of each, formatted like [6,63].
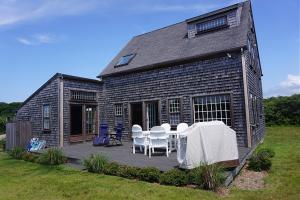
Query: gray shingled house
[201,69]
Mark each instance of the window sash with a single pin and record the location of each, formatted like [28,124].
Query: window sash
[118,110]
[211,24]
[213,107]
[46,117]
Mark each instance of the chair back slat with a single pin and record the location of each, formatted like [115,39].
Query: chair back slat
[166,126]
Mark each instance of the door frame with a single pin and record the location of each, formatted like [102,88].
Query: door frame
[83,137]
[144,104]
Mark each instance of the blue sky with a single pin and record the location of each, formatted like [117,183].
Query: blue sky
[79,37]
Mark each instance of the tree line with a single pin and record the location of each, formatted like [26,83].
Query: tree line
[7,110]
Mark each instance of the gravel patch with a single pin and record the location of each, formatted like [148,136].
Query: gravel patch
[250,180]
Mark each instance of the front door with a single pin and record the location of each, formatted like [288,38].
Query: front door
[152,114]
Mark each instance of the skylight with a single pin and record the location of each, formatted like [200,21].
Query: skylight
[125,60]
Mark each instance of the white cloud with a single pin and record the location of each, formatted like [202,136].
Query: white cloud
[15,11]
[175,8]
[286,88]
[39,39]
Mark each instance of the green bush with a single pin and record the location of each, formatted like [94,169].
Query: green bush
[52,156]
[259,162]
[111,168]
[209,177]
[30,157]
[266,152]
[2,145]
[174,177]
[128,172]
[16,152]
[149,174]
[195,176]
[95,163]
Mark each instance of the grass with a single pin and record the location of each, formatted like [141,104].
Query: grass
[24,180]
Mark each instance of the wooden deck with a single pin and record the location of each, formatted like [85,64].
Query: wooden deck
[123,155]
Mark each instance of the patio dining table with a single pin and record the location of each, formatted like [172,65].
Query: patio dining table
[173,139]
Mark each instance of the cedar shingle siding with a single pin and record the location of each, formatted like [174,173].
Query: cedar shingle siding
[172,62]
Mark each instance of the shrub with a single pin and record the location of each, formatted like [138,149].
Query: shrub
[16,152]
[95,163]
[195,176]
[52,156]
[29,157]
[149,174]
[259,162]
[266,152]
[111,168]
[211,176]
[128,172]
[174,177]
[2,145]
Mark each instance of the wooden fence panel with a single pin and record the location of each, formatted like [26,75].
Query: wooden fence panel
[24,133]
[18,134]
[11,140]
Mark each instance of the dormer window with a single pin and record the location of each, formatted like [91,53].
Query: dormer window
[211,24]
[125,60]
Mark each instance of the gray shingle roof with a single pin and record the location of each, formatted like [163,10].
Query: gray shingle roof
[170,44]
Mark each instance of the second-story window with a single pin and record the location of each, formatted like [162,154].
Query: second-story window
[211,24]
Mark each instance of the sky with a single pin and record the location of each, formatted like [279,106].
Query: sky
[39,38]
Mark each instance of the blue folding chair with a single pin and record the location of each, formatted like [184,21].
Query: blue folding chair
[117,137]
[102,138]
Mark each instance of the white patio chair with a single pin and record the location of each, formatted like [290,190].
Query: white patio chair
[166,126]
[139,139]
[158,139]
[182,127]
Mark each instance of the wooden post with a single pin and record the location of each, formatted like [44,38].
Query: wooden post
[245,81]
[61,113]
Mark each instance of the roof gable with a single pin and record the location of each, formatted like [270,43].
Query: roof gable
[170,44]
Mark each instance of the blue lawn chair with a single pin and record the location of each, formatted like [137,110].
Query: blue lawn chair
[117,137]
[102,138]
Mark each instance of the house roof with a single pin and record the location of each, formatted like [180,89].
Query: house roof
[170,44]
[62,76]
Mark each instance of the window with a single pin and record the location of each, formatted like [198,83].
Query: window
[118,110]
[211,24]
[83,96]
[174,111]
[125,60]
[213,107]
[46,117]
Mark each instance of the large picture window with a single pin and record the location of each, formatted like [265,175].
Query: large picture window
[46,117]
[174,111]
[213,107]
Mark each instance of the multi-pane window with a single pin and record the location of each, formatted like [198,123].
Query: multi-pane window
[125,60]
[174,111]
[213,107]
[118,110]
[46,117]
[211,24]
[83,96]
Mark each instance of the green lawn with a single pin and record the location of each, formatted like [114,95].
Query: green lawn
[23,180]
